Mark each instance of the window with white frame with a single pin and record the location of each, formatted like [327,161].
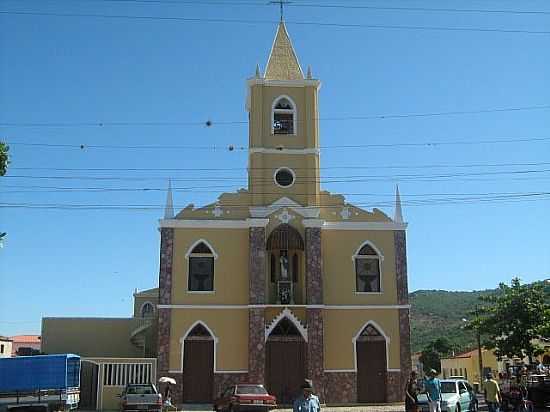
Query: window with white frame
[284,116]
[201,269]
[367,270]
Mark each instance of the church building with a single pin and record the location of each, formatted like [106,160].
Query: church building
[283,280]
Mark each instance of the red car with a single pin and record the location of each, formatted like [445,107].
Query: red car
[245,397]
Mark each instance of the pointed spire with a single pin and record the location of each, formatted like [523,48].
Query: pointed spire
[283,63]
[309,76]
[169,209]
[398,217]
[258,73]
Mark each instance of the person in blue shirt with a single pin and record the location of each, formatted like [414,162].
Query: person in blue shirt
[432,387]
[307,401]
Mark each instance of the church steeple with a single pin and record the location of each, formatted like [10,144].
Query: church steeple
[283,63]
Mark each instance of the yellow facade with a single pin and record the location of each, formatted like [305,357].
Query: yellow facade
[467,365]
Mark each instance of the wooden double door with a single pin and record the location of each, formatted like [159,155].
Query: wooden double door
[198,370]
[371,371]
[285,367]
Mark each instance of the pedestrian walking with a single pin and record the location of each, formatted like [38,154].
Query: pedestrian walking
[307,401]
[492,393]
[432,387]
[411,394]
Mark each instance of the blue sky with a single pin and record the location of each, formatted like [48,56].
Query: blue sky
[76,70]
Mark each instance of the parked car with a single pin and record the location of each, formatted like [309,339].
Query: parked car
[245,397]
[458,396]
[140,397]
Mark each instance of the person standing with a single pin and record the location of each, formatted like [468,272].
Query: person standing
[307,401]
[411,394]
[492,393]
[432,387]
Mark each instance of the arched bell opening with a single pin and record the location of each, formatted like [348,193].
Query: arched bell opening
[285,248]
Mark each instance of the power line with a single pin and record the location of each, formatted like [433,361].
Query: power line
[271,22]
[211,169]
[232,148]
[330,6]
[81,206]
[210,122]
[326,179]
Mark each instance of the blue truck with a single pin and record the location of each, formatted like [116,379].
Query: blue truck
[51,382]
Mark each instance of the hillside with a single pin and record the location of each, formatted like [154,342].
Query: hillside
[437,313]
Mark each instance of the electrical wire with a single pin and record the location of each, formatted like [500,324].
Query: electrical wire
[210,123]
[272,22]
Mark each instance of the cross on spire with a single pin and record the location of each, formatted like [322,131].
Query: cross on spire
[280,3]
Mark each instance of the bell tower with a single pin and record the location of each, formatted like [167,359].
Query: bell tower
[283,129]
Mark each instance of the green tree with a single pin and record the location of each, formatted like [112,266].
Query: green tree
[432,353]
[4,158]
[512,318]
[430,359]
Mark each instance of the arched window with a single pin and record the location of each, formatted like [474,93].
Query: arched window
[367,270]
[283,116]
[201,269]
[147,310]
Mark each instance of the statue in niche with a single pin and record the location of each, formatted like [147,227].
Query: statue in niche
[283,260]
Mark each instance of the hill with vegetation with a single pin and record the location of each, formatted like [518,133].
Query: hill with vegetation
[440,313]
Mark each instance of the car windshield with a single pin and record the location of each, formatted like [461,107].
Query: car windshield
[140,390]
[448,387]
[251,390]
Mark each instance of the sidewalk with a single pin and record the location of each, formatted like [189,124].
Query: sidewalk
[357,408]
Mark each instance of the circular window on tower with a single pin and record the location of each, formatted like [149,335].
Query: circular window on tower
[284,177]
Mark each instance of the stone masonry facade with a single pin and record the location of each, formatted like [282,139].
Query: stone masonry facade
[314,266]
[165,297]
[400,244]
[256,345]
[341,387]
[315,351]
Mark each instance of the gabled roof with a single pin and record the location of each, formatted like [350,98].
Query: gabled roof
[283,63]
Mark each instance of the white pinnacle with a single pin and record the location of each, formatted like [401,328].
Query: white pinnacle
[169,209]
[398,217]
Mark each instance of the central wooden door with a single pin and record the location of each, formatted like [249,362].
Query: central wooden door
[285,368]
[198,366]
[371,371]
[285,362]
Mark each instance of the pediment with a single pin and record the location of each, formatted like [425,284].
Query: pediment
[284,203]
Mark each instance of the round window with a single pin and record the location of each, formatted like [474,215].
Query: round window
[284,177]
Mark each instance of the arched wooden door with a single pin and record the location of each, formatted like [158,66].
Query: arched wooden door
[285,362]
[371,366]
[198,366]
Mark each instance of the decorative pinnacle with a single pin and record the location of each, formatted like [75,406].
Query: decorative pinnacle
[258,74]
[308,76]
[169,209]
[398,216]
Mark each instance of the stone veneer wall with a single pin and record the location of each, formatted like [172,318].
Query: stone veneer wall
[256,238]
[394,392]
[315,351]
[165,298]
[223,380]
[400,244]
[341,387]
[256,345]
[314,266]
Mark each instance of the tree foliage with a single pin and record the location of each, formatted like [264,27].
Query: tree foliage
[432,353]
[512,318]
[4,158]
